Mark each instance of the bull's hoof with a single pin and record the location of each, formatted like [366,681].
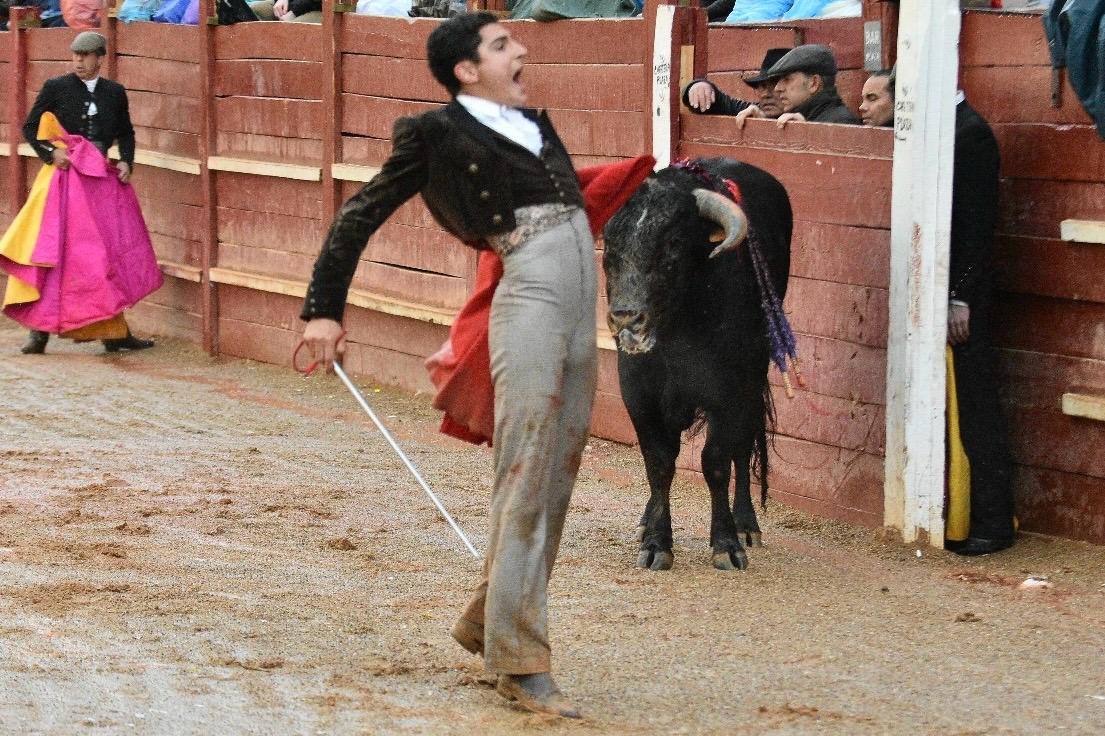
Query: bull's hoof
[655,560]
[641,532]
[731,559]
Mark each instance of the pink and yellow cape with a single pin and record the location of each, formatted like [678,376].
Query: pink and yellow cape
[77,254]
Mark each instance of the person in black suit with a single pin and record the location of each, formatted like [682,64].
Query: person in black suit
[95,108]
[495,175]
[970,297]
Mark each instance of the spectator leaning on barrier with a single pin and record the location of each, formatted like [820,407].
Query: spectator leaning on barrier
[876,106]
[806,88]
[704,98]
[297,11]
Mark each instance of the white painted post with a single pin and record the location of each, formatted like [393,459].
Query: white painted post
[661,85]
[924,128]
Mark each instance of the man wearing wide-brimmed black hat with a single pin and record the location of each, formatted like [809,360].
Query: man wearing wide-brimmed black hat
[703,97]
[805,83]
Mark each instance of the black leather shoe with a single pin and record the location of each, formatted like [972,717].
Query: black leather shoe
[36,343]
[974,546]
[130,342]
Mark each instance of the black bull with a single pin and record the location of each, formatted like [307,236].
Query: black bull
[692,338]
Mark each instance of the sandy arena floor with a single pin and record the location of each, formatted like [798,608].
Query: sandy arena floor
[197,546]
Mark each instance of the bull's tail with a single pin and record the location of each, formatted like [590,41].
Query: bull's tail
[761,444]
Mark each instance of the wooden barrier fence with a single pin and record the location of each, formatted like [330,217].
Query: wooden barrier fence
[250,136]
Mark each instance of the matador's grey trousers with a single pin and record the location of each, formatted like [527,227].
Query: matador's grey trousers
[543,364]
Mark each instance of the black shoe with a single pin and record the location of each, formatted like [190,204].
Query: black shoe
[130,342]
[974,546]
[36,343]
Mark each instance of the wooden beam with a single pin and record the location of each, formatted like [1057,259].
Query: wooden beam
[1085,406]
[920,231]
[264,168]
[17,102]
[1083,231]
[159,160]
[180,271]
[359,298]
[353,172]
[24,149]
[5,149]
[209,236]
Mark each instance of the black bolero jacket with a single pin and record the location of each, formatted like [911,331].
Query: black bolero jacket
[455,163]
[68,97]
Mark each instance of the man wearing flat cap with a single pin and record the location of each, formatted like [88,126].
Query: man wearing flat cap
[805,83]
[704,98]
[94,108]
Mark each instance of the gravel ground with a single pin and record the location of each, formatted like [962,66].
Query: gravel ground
[201,546]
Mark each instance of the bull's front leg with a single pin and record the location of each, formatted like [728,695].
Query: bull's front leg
[654,532]
[717,461]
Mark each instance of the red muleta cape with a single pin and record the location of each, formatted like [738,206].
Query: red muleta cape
[461,369]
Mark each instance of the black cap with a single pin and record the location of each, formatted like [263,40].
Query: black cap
[771,58]
[809,59]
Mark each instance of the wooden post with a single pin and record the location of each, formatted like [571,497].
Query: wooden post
[332,152]
[209,253]
[107,28]
[18,20]
[920,229]
[672,29]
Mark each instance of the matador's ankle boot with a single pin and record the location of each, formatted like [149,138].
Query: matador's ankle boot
[36,343]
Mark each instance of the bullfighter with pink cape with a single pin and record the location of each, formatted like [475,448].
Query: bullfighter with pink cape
[78,253]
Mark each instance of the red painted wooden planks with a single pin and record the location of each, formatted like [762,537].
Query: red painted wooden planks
[610,420]
[375,116]
[844,140]
[585,41]
[1036,207]
[990,39]
[274,262]
[401,334]
[1044,437]
[1041,151]
[1020,95]
[830,420]
[176,250]
[267,78]
[159,75]
[386,76]
[163,186]
[268,148]
[430,289]
[270,230]
[364,151]
[1063,504]
[169,321]
[841,369]
[1049,267]
[857,314]
[172,142]
[37,74]
[270,116]
[293,41]
[1047,325]
[840,253]
[737,47]
[379,36]
[165,112]
[49,43]
[594,132]
[426,249]
[843,190]
[269,194]
[158,41]
[574,86]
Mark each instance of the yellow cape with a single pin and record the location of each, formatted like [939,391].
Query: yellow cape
[959,466]
[18,243]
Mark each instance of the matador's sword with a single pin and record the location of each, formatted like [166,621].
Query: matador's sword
[391,441]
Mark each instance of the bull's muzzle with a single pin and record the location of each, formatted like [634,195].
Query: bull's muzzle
[630,328]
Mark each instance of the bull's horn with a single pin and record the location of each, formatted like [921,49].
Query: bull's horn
[726,213]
